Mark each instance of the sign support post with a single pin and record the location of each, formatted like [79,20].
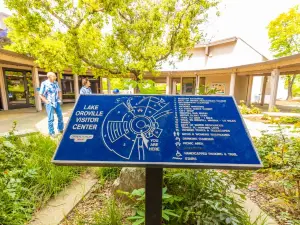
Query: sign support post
[153,203]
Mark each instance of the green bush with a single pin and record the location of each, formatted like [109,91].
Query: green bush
[138,197]
[207,196]
[27,177]
[246,110]
[281,159]
[289,119]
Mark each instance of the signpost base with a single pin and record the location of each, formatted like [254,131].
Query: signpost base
[154,181]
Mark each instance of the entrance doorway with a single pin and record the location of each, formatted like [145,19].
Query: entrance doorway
[19,87]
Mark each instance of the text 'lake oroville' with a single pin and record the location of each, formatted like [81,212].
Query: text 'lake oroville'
[146,130]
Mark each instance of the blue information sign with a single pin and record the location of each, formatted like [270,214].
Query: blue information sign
[157,131]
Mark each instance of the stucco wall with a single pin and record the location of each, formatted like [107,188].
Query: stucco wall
[244,54]
[219,79]
[220,56]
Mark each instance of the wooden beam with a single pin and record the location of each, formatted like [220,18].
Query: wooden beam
[36,85]
[76,86]
[3,93]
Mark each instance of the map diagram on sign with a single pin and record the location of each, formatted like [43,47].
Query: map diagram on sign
[128,128]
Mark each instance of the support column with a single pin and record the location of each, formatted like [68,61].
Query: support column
[263,91]
[76,86]
[181,86]
[249,90]
[108,86]
[168,85]
[232,84]
[100,85]
[61,87]
[36,85]
[197,85]
[174,87]
[274,86]
[3,90]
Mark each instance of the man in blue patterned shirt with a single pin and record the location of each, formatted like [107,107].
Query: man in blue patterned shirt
[49,93]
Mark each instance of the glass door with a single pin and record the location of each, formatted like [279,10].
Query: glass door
[20,92]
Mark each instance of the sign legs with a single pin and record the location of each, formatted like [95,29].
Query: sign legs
[154,181]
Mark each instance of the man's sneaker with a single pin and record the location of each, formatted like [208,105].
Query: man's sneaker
[52,135]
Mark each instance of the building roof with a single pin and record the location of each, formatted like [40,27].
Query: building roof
[224,41]
[287,65]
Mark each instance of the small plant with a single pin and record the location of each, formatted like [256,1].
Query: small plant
[266,117]
[138,198]
[246,110]
[111,214]
[274,109]
[295,110]
[108,173]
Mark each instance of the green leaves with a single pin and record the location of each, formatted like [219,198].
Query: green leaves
[112,38]
[284,33]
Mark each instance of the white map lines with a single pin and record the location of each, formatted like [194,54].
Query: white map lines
[130,126]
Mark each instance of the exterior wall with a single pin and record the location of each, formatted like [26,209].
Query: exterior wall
[194,63]
[219,79]
[244,54]
[240,90]
[220,56]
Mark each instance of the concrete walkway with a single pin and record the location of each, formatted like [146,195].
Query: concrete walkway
[60,206]
[28,120]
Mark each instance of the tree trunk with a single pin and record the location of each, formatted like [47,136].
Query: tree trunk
[290,88]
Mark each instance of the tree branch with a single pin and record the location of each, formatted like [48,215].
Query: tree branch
[45,4]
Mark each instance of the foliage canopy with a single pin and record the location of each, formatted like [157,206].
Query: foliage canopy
[112,37]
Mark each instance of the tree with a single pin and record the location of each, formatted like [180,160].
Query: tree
[284,34]
[113,38]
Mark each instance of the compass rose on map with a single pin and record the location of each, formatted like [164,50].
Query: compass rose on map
[132,126]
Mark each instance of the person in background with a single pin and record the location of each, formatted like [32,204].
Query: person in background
[49,93]
[116,91]
[85,89]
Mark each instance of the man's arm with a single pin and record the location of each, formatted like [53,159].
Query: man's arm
[42,92]
[44,99]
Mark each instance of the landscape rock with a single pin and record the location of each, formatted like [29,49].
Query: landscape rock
[130,178]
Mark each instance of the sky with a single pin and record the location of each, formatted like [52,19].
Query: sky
[246,19]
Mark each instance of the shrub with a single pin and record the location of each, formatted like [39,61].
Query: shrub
[289,120]
[274,109]
[246,110]
[27,177]
[207,196]
[281,159]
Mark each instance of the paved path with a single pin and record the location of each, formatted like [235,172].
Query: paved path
[28,120]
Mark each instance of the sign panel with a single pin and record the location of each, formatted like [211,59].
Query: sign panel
[157,131]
